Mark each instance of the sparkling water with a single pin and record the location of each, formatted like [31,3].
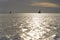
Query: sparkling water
[29,26]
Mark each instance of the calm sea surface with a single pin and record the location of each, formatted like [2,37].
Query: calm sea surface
[29,26]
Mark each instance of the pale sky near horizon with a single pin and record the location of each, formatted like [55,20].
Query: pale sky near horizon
[30,6]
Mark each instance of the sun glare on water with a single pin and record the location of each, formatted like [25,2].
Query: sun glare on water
[33,26]
[34,30]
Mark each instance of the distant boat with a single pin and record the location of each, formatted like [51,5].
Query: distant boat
[10,12]
[39,11]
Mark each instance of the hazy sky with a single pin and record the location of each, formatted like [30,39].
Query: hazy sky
[30,6]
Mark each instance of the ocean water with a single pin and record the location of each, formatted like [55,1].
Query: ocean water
[30,26]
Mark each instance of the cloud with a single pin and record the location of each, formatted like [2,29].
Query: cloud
[46,4]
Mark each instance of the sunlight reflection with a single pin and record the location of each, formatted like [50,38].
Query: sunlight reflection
[28,27]
[36,32]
